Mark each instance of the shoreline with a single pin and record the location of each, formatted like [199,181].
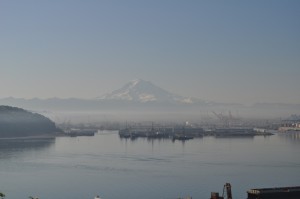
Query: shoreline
[29,137]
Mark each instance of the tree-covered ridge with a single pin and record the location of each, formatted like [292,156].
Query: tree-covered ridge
[17,122]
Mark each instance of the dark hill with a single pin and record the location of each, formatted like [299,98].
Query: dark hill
[17,122]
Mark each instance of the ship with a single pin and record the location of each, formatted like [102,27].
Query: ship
[81,132]
[275,193]
[262,193]
[238,132]
[182,137]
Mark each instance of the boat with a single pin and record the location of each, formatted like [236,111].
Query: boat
[81,132]
[233,132]
[125,133]
[275,193]
[182,137]
[262,193]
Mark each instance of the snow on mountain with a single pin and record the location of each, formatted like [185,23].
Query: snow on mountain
[144,91]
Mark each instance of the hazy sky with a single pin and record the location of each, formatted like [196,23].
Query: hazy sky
[228,51]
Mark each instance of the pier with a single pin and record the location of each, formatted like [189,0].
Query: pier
[187,133]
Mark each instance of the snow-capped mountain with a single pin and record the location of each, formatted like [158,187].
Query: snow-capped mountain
[144,91]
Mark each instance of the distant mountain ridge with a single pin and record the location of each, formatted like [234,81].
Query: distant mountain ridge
[145,97]
[144,91]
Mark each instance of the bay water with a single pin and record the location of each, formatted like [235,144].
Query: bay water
[115,168]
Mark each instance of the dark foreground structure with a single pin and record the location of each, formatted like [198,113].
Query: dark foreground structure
[275,193]
[264,193]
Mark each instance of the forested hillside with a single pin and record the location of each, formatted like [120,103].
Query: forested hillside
[17,122]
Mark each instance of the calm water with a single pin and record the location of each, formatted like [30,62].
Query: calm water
[114,168]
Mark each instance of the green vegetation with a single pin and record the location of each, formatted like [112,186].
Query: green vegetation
[17,122]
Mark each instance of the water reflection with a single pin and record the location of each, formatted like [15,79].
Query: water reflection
[15,147]
[291,136]
[91,165]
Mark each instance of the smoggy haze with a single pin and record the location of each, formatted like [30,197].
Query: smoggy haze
[225,51]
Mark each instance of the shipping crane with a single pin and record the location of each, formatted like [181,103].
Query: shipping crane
[227,188]
[223,119]
[227,120]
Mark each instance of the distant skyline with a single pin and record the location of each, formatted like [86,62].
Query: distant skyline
[224,51]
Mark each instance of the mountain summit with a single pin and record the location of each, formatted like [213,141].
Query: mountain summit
[144,91]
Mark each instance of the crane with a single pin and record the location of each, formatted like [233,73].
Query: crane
[227,188]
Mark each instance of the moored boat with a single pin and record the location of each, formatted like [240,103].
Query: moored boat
[275,193]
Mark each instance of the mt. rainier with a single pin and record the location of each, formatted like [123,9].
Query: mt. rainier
[144,91]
